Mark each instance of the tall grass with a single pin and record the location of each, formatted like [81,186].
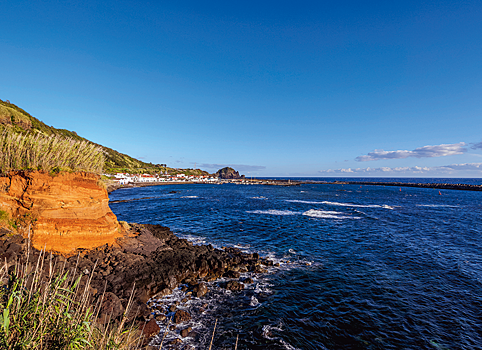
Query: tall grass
[47,311]
[47,153]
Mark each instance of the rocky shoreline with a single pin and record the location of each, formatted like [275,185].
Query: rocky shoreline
[151,259]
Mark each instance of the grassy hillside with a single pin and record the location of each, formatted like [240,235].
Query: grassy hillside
[18,121]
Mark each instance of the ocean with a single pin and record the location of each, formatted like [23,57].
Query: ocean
[361,267]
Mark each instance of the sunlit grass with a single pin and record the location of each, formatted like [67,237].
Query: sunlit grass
[47,153]
[55,311]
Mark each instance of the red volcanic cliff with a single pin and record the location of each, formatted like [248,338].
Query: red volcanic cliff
[65,211]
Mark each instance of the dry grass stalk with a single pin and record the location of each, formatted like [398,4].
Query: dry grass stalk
[47,153]
[214,331]
[41,309]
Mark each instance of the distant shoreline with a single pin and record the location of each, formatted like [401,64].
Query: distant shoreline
[278,182]
[445,186]
[113,187]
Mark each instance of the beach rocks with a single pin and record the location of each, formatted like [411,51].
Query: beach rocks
[232,274]
[151,329]
[182,316]
[185,332]
[111,308]
[200,290]
[234,286]
[153,261]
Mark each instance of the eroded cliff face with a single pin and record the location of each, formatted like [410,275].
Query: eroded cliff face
[65,211]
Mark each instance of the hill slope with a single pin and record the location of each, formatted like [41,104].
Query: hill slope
[20,121]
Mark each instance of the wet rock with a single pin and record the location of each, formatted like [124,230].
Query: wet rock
[267,262]
[248,280]
[160,318]
[234,286]
[182,316]
[259,269]
[200,290]
[155,270]
[185,332]
[172,308]
[263,296]
[151,329]
[175,341]
[163,293]
[232,274]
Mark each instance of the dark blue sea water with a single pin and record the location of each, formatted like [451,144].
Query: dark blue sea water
[362,267]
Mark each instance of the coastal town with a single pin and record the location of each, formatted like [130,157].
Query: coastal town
[126,178]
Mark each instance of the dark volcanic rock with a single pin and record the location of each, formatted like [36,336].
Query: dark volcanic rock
[182,316]
[150,259]
[185,332]
[111,308]
[234,286]
[228,173]
[151,328]
[200,290]
[248,280]
[232,274]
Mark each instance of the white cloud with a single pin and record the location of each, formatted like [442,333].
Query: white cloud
[415,170]
[421,152]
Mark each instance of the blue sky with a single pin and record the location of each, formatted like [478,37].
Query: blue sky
[273,88]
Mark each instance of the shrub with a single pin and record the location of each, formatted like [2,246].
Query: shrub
[47,153]
[50,311]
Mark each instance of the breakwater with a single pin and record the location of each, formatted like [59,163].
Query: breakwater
[444,186]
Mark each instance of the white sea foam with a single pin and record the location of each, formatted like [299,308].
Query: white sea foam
[260,197]
[305,202]
[273,212]
[358,205]
[322,214]
[437,205]
[189,197]
[268,334]
[196,240]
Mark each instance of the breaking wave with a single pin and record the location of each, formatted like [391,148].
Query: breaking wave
[305,202]
[358,205]
[273,212]
[322,214]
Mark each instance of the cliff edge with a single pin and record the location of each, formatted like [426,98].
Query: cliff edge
[65,212]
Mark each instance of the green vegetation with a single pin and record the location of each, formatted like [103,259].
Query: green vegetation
[19,121]
[5,219]
[48,153]
[192,172]
[48,311]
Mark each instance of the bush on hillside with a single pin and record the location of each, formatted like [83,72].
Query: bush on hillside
[47,312]
[47,153]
